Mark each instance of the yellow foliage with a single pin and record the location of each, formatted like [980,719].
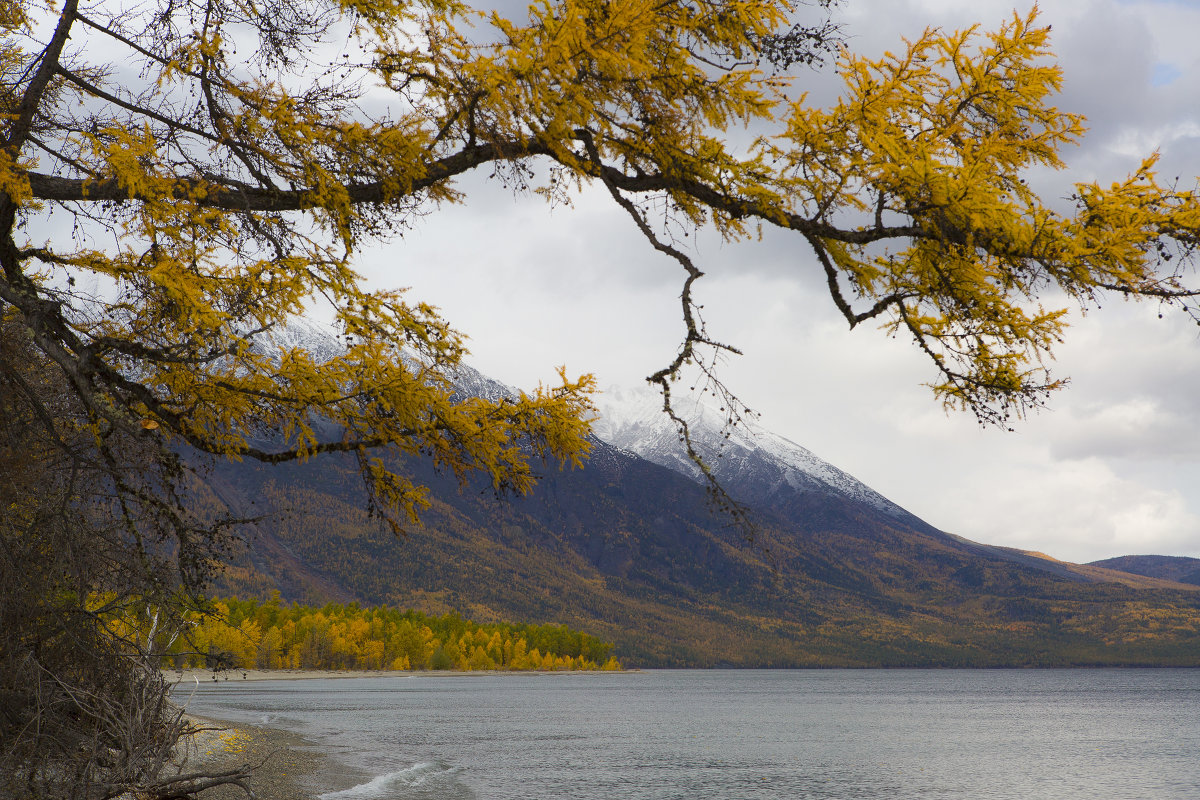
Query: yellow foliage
[227,221]
[273,636]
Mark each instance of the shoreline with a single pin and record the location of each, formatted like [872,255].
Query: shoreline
[198,675]
[282,764]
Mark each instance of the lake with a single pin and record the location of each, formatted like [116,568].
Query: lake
[1100,734]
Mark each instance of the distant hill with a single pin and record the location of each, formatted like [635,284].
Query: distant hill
[1172,568]
[627,550]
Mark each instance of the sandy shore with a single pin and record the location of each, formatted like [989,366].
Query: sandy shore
[187,676]
[284,766]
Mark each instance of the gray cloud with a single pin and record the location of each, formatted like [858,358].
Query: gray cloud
[1112,469]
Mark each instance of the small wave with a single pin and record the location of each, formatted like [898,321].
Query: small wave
[423,781]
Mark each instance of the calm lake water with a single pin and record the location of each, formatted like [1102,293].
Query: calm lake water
[742,735]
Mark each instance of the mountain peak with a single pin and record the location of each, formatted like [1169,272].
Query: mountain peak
[319,340]
[626,549]
[754,464]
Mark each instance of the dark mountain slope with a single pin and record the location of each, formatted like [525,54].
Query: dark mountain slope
[627,550]
[766,471]
[1171,568]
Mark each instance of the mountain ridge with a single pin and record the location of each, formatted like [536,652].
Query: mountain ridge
[1179,569]
[626,549]
[632,419]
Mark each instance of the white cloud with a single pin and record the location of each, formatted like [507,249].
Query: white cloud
[1114,468]
[1076,510]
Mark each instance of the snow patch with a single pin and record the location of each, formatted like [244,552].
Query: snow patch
[633,420]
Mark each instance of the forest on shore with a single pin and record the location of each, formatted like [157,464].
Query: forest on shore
[273,635]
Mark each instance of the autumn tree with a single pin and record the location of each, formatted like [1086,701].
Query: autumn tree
[178,177]
[93,554]
[245,633]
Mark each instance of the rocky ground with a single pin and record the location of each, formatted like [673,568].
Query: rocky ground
[282,765]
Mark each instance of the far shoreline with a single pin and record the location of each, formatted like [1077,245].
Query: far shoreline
[200,675]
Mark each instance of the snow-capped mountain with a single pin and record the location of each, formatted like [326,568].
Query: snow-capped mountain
[322,342]
[627,548]
[754,464]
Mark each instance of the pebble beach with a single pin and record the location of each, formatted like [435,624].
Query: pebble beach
[282,763]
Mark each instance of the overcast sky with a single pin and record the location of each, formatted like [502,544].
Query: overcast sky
[1112,469]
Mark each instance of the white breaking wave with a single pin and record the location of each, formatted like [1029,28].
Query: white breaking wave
[423,781]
